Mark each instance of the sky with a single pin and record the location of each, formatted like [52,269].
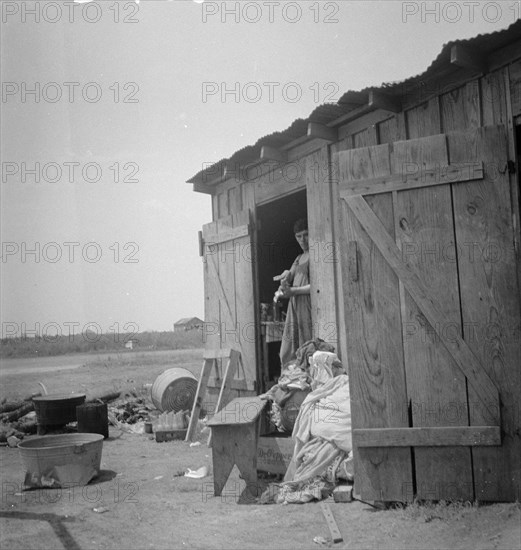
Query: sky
[109,107]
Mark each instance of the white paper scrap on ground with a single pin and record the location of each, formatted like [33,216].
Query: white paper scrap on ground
[197,474]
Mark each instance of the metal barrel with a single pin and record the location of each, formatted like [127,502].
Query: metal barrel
[57,409]
[93,418]
[174,390]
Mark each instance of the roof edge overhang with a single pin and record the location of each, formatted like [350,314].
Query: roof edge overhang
[458,61]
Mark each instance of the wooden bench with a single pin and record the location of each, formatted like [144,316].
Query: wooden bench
[235,433]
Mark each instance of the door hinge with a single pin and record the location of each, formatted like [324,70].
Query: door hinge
[201,243]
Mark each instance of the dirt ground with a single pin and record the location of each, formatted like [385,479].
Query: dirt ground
[143,500]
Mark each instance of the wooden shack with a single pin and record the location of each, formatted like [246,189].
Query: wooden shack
[411,191]
[188,323]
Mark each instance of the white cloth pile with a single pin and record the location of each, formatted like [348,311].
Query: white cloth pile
[322,434]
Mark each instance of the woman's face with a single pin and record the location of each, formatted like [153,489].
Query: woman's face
[302,239]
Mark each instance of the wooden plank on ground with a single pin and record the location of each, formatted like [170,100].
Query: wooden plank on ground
[430,437]
[490,302]
[336,536]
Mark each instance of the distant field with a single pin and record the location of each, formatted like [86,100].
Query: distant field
[96,374]
[48,345]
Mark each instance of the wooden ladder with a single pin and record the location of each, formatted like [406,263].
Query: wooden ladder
[210,363]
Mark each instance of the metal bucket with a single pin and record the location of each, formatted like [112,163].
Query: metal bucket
[57,409]
[174,390]
[93,418]
[61,460]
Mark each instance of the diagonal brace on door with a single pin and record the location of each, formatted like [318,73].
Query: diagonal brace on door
[463,356]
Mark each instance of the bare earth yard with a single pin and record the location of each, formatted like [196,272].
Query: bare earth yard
[146,503]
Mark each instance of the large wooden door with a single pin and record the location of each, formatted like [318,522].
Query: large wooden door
[228,258]
[432,309]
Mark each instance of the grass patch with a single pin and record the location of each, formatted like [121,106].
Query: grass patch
[444,510]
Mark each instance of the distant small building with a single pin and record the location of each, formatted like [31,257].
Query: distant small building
[188,323]
[130,344]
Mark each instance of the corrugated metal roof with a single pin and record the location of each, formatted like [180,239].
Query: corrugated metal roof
[325,114]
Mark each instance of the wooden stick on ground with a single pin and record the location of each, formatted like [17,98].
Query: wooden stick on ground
[18,413]
[336,536]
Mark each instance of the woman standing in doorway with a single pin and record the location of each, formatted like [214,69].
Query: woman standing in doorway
[295,285]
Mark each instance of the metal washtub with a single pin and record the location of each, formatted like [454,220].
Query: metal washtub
[61,460]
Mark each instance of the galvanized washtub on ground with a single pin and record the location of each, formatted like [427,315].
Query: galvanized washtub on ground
[61,460]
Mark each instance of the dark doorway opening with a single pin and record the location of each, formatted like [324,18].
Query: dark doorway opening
[277,250]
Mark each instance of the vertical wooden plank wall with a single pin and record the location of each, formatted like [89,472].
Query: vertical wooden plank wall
[515,87]
[423,120]
[211,329]
[483,214]
[513,74]
[475,104]
[490,305]
[229,198]
[436,388]
[372,313]
[232,204]
[322,255]
[245,310]
[213,315]
[342,145]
